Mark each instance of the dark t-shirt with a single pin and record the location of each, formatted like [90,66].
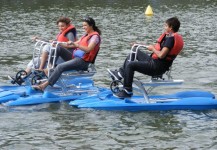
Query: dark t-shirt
[168,42]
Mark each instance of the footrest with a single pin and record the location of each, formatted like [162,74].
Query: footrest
[162,82]
[75,73]
[157,77]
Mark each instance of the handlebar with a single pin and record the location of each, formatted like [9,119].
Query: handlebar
[47,42]
[133,54]
[57,42]
[140,45]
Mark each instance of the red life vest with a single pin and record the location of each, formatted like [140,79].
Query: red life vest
[178,45]
[90,56]
[61,36]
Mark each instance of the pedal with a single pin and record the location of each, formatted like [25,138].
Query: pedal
[116,86]
[38,79]
[12,79]
[15,81]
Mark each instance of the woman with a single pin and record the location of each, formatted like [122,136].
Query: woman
[164,52]
[67,32]
[86,50]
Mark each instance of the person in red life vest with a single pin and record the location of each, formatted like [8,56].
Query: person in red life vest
[85,53]
[67,33]
[164,52]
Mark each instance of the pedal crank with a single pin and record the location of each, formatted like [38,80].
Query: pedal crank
[116,86]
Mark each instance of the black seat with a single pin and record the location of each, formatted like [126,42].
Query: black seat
[157,77]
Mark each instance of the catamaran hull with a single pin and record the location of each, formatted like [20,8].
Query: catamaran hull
[187,100]
[52,97]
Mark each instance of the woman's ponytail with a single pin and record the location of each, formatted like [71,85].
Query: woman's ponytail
[95,28]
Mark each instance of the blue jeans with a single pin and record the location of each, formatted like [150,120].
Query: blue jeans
[70,64]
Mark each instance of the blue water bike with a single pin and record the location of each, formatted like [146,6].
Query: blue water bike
[143,100]
[71,85]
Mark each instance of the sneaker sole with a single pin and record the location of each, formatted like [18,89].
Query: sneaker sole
[112,75]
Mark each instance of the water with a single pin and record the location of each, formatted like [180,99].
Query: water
[58,126]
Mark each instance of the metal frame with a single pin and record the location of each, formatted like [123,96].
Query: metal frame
[135,52]
[37,51]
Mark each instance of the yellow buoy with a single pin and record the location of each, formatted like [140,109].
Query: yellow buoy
[149,11]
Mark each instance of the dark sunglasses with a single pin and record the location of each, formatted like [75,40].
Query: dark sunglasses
[87,19]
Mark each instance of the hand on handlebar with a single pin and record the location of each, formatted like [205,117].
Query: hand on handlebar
[34,38]
[73,44]
[70,43]
[52,41]
[133,43]
[150,47]
[138,44]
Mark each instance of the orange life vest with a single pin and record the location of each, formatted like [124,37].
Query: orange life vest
[61,36]
[90,56]
[178,45]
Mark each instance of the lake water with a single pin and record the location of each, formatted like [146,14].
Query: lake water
[59,126]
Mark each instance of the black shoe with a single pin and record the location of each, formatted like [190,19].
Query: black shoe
[115,74]
[123,94]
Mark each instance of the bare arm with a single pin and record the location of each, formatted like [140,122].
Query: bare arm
[71,37]
[86,49]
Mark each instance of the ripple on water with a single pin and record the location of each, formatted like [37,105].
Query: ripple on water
[122,22]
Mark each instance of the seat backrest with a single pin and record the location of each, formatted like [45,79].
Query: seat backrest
[168,74]
[95,56]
